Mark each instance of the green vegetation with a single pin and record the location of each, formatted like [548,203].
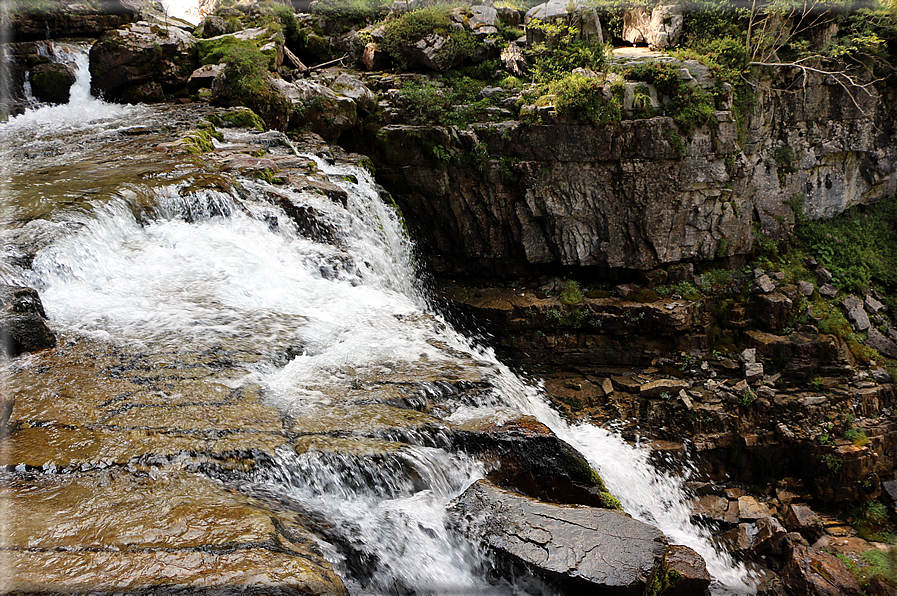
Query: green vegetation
[447,100]
[690,106]
[246,75]
[571,293]
[415,25]
[859,247]
[582,98]
[244,119]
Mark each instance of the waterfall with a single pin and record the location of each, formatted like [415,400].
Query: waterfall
[82,108]
[161,267]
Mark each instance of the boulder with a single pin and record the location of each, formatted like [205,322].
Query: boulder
[659,387]
[204,76]
[687,571]
[828,291]
[583,17]
[856,313]
[772,311]
[581,548]
[142,62]
[876,340]
[802,519]
[318,107]
[432,52]
[816,573]
[660,30]
[22,321]
[51,82]
[524,455]
[213,26]
[805,288]
[872,305]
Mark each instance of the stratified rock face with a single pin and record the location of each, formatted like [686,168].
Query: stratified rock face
[142,62]
[569,194]
[62,18]
[579,547]
[511,199]
[22,321]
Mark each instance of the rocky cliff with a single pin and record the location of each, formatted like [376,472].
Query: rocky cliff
[514,199]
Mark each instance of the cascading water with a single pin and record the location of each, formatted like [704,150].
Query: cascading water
[160,267]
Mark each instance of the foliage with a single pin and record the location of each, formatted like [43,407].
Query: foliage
[880,563]
[228,49]
[288,20]
[244,119]
[689,105]
[859,246]
[871,521]
[415,25]
[683,288]
[445,101]
[857,436]
[571,293]
[246,74]
[354,11]
[552,64]
[583,98]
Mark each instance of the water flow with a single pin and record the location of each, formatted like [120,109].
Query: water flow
[82,107]
[203,269]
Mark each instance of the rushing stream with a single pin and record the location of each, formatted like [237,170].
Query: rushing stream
[139,261]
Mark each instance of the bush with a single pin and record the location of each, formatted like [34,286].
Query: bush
[553,65]
[859,246]
[249,84]
[689,105]
[414,26]
[355,11]
[583,98]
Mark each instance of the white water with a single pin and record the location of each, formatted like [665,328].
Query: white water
[81,110]
[202,272]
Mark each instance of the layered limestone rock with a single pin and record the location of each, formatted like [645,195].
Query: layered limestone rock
[514,199]
[56,19]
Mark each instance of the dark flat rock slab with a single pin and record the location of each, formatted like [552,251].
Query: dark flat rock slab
[582,548]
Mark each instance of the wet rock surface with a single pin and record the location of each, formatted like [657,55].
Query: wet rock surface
[581,548]
[23,325]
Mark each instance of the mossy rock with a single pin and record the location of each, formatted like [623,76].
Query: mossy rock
[52,82]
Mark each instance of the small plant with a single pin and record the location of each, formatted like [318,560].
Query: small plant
[816,383]
[571,292]
[857,436]
[833,463]
[747,398]
[665,396]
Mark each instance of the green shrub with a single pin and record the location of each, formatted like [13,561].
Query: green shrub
[246,74]
[554,64]
[859,246]
[583,98]
[689,105]
[356,11]
[571,294]
[414,26]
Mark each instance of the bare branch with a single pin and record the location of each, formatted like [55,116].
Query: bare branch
[849,83]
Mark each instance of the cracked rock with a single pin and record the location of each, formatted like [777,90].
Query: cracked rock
[576,546]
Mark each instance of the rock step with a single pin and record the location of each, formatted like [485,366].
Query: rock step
[575,546]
